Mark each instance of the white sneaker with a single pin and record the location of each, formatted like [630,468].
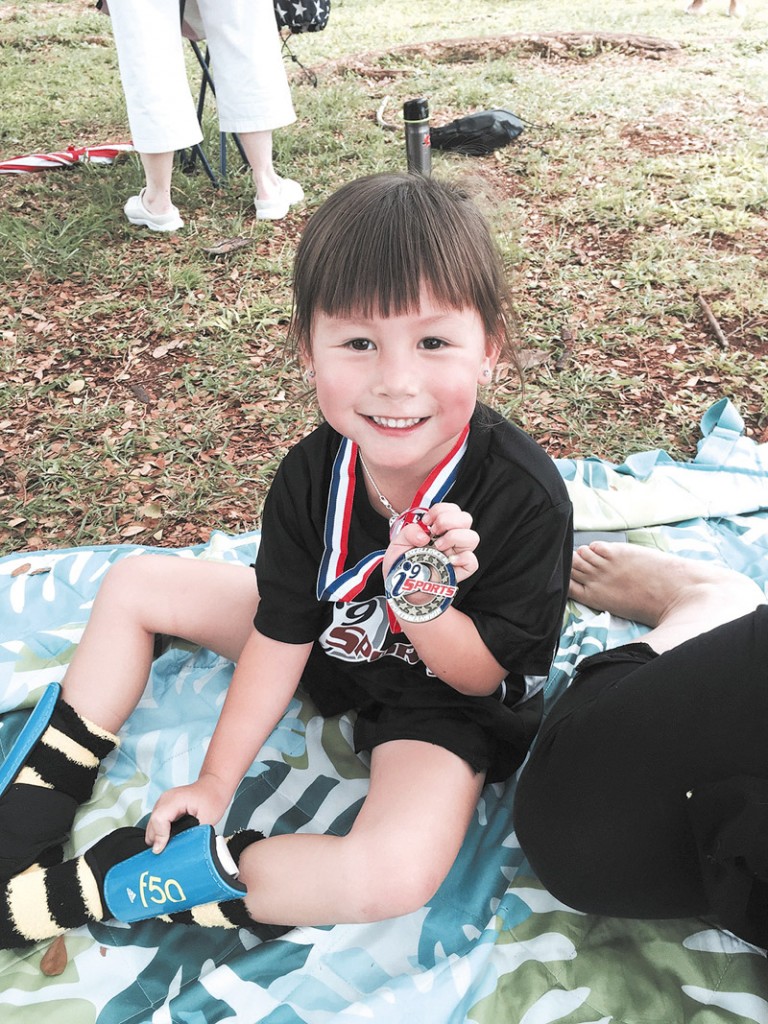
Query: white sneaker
[137,213]
[289,193]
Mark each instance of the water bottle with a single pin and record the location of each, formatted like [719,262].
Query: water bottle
[418,150]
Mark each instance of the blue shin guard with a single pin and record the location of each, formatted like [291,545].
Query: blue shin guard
[192,869]
[33,729]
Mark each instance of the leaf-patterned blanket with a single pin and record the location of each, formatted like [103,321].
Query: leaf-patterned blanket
[493,946]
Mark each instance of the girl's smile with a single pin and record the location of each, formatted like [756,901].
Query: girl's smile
[394,424]
[403,387]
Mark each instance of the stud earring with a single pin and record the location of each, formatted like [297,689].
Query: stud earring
[486,373]
[310,375]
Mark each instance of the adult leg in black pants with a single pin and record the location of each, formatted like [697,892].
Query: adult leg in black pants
[647,792]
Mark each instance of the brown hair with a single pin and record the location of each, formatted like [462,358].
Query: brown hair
[376,241]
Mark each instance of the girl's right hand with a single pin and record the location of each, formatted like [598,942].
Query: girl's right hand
[205,800]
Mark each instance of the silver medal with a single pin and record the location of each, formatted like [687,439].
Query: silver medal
[420,571]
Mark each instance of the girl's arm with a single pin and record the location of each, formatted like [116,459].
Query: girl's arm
[262,686]
[450,645]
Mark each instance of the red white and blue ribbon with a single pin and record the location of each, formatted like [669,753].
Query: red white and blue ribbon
[335,582]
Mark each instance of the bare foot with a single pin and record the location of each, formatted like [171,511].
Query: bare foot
[678,597]
[697,7]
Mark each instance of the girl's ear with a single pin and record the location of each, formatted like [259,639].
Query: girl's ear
[489,361]
[306,363]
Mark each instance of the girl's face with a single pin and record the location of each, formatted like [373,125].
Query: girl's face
[403,387]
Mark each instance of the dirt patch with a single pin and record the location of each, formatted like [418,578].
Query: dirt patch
[550,45]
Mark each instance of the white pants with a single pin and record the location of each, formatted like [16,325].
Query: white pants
[252,92]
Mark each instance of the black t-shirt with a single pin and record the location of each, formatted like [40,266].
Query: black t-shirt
[516,599]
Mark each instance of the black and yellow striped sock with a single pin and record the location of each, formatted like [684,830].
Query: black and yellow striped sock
[38,808]
[41,903]
[226,913]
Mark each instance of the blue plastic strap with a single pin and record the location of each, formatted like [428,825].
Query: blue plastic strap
[32,730]
[187,873]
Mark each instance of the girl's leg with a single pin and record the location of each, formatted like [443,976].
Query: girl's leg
[399,850]
[37,905]
[207,603]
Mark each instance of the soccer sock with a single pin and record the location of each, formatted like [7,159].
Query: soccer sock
[67,755]
[38,808]
[40,903]
[225,913]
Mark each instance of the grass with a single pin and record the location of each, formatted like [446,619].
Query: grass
[145,395]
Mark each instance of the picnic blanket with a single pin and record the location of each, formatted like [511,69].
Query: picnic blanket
[492,946]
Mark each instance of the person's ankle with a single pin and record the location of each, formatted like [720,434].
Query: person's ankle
[157,203]
[267,186]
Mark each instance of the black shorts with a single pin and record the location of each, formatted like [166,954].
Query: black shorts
[492,734]
[491,737]
[647,790]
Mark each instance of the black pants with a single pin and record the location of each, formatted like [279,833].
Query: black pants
[646,794]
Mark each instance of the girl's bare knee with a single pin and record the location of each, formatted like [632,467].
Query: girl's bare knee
[125,576]
[389,883]
[129,585]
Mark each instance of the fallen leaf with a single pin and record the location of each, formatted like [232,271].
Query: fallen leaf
[529,357]
[140,393]
[21,569]
[227,245]
[132,531]
[54,960]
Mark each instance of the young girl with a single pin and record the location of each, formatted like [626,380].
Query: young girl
[399,315]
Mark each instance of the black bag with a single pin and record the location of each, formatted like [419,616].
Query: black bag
[478,134]
[300,16]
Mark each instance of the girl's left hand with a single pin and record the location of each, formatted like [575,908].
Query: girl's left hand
[449,529]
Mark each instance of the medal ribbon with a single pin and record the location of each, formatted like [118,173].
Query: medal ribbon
[334,582]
